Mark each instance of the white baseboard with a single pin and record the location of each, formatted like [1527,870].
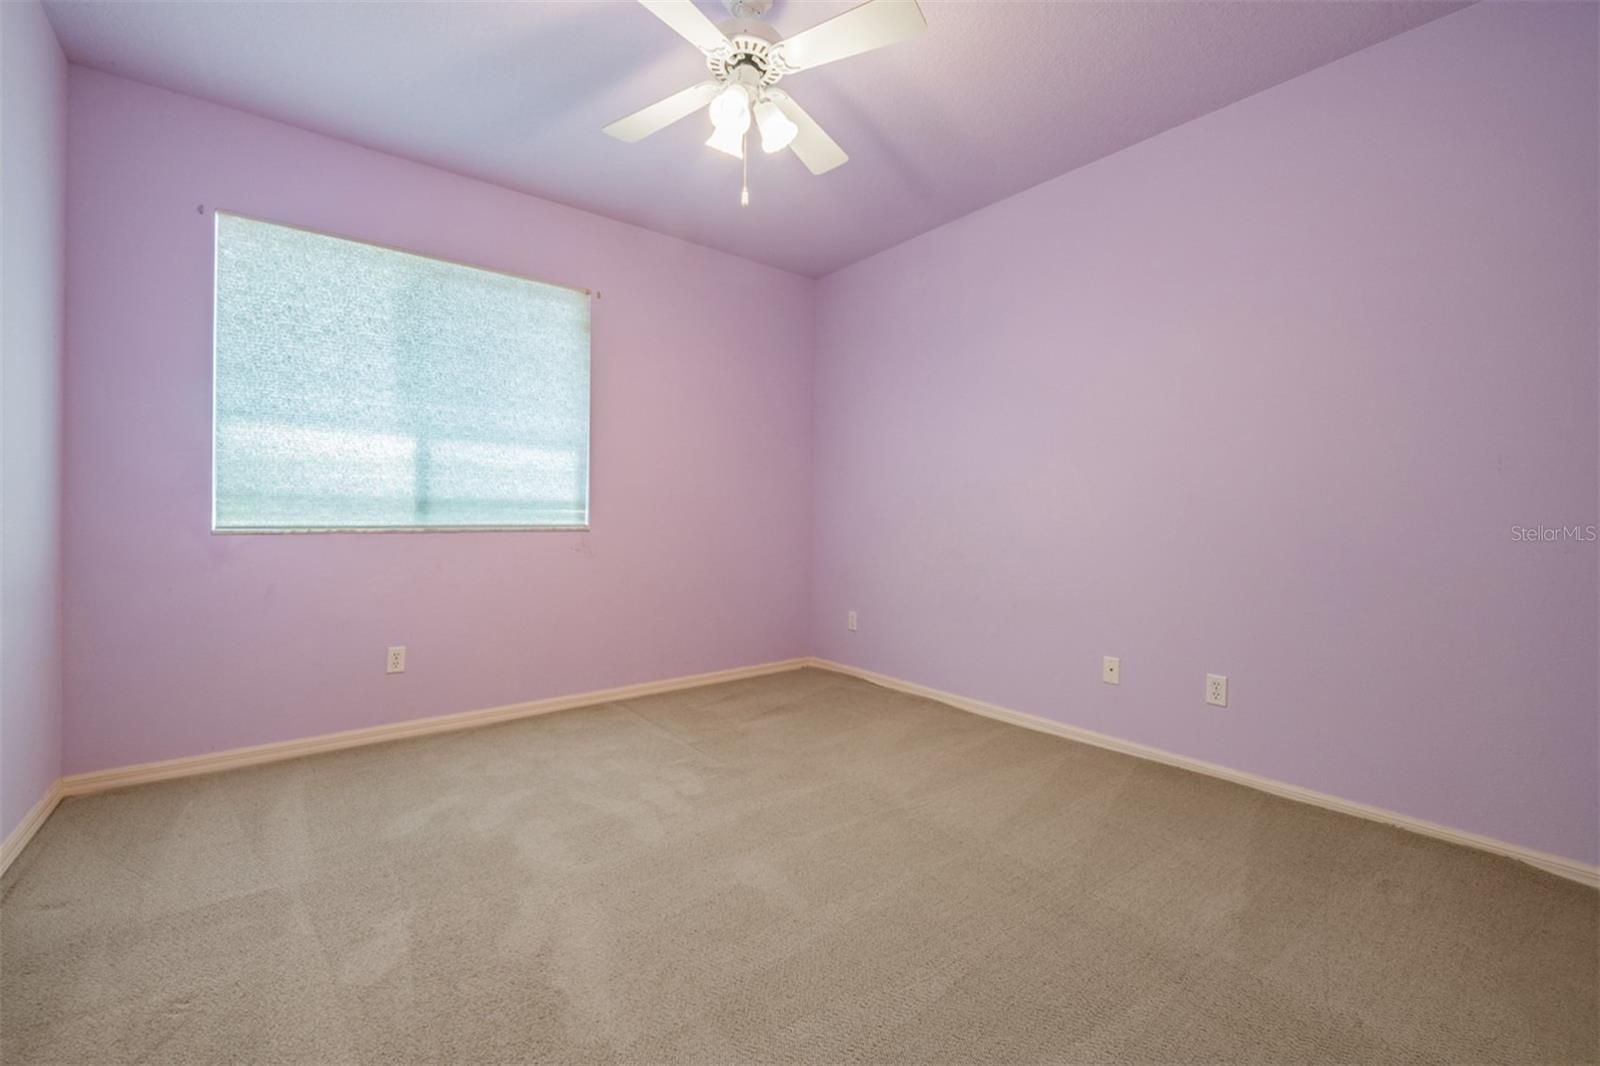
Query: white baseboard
[233,758]
[1556,864]
[120,777]
[19,837]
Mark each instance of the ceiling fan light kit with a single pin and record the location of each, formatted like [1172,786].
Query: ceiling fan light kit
[777,132]
[746,58]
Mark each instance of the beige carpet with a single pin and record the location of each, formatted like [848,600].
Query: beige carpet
[798,868]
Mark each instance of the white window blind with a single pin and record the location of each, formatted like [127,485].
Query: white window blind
[358,387]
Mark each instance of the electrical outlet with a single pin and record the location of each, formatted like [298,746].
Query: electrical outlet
[1216,690]
[396,663]
[1111,670]
[850,621]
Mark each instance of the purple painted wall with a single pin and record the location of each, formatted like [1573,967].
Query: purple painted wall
[1262,396]
[33,96]
[182,642]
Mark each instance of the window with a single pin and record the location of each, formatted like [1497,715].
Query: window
[357,387]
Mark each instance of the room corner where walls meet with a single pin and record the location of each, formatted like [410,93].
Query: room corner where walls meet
[33,93]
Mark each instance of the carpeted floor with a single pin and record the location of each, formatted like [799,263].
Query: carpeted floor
[797,868]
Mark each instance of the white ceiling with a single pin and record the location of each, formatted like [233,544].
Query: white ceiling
[995,96]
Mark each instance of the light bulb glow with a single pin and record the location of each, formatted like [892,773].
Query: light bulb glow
[777,131]
[730,111]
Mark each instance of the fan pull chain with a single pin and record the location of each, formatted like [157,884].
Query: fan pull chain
[744,164]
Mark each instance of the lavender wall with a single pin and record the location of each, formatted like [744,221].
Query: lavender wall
[183,642]
[1262,396]
[33,94]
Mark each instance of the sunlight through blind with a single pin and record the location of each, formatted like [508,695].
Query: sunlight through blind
[358,387]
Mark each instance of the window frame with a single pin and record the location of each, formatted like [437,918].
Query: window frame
[246,531]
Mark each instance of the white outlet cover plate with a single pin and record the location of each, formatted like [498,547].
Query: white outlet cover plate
[1111,670]
[395,660]
[850,621]
[1216,690]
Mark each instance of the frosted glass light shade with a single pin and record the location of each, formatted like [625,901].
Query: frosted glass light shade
[730,118]
[777,131]
[731,109]
[724,139]
[358,387]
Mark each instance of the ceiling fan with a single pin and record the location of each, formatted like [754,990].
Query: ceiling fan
[747,59]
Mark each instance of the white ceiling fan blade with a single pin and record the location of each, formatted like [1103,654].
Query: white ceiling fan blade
[663,113]
[688,22]
[861,29]
[814,147]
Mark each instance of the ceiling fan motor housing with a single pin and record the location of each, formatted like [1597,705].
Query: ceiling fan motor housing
[749,61]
